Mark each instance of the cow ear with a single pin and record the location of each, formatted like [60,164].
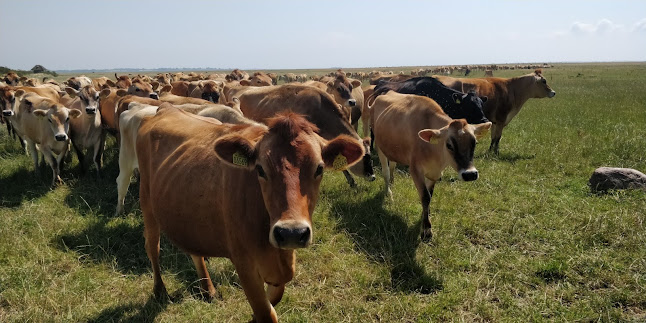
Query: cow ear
[155,85]
[236,151]
[166,88]
[104,93]
[433,136]
[245,82]
[479,130]
[19,93]
[74,113]
[110,83]
[457,98]
[342,152]
[39,113]
[122,92]
[356,83]
[71,92]
[330,84]
[484,99]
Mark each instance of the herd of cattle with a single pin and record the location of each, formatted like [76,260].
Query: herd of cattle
[219,141]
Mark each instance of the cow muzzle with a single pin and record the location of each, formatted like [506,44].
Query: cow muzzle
[90,110]
[352,102]
[551,94]
[7,113]
[61,137]
[154,96]
[290,234]
[469,175]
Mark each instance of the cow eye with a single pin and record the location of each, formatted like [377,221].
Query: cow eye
[319,171]
[68,119]
[350,87]
[449,146]
[261,172]
[50,120]
[339,89]
[137,90]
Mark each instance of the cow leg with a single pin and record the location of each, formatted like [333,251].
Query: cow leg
[391,168]
[126,168]
[349,178]
[207,291]
[33,151]
[365,121]
[496,133]
[22,144]
[425,190]
[152,235]
[53,163]
[98,157]
[385,172]
[275,293]
[81,157]
[254,288]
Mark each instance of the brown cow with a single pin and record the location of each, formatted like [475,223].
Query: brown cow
[102,82]
[506,97]
[43,122]
[398,123]
[365,113]
[12,79]
[86,131]
[340,87]
[123,81]
[77,82]
[215,170]
[318,106]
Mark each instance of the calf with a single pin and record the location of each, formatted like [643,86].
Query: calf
[399,121]
[43,122]
[246,193]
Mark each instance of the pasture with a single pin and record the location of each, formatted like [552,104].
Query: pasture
[527,241]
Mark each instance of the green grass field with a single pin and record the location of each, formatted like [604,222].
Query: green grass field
[525,242]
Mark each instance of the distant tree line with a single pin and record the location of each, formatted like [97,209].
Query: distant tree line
[35,69]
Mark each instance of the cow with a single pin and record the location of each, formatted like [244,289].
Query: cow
[454,103]
[103,82]
[317,106]
[12,79]
[77,82]
[488,73]
[43,122]
[167,96]
[86,131]
[143,89]
[123,81]
[506,97]
[340,87]
[246,193]
[207,90]
[413,130]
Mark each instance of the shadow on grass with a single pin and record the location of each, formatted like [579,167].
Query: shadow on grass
[24,184]
[132,312]
[508,157]
[386,238]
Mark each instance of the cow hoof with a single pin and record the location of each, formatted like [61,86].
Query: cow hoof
[427,235]
[208,296]
[161,295]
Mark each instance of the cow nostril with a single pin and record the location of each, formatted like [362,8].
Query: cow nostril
[470,176]
[60,137]
[154,96]
[278,236]
[352,103]
[305,236]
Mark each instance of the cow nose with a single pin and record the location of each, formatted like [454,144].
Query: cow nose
[292,237]
[552,94]
[352,102]
[61,137]
[7,113]
[371,178]
[154,96]
[90,110]
[469,175]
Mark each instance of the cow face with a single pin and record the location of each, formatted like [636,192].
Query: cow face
[143,89]
[211,91]
[8,100]
[289,161]
[341,90]
[469,106]
[540,88]
[365,166]
[89,97]
[57,115]
[12,79]
[123,81]
[458,142]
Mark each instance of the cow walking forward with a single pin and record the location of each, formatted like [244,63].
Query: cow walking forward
[413,130]
[245,192]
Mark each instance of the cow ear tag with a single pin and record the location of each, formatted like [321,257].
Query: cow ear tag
[434,141]
[340,162]
[458,101]
[240,159]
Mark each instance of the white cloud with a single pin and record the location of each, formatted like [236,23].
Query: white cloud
[640,26]
[602,27]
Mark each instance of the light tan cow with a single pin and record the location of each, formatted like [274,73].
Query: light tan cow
[86,131]
[102,82]
[12,79]
[77,82]
[43,122]
[123,81]
[241,192]
[413,130]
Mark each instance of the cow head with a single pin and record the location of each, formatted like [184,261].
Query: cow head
[341,89]
[57,115]
[89,97]
[457,140]
[12,79]
[540,89]
[123,81]
[211,91]
[143,89]
[289,161]
[8,100]
[468,106]
[258,79]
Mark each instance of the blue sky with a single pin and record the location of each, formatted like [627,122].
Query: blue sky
[316,34]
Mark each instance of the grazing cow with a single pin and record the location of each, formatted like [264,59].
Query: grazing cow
[456,104]
[77,82]
[357,109]
[399,121]
[237,75]
[43,122]
[506,97]
[86,131]
[215,172]
[317,106]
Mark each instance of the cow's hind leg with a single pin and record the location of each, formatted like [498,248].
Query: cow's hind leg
[254,288]
[275,293]
[152,235]
[349,178]
[207,290]
[385,172]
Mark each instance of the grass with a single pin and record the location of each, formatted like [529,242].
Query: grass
[525,242]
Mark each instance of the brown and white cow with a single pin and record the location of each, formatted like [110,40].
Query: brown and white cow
[413,130]
[506,97]
[215,171]
[86,131]
[317,106]
[43,122]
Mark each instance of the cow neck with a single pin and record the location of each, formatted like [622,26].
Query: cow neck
[517,95]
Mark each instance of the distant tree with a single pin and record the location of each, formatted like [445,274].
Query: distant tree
[38,69]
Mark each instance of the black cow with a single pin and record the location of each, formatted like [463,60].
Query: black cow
[455,104]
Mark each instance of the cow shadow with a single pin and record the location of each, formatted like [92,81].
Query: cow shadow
[132,312]
[23,185]
[507,157]
[385,238]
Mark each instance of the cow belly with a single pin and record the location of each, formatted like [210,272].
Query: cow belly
[195,239]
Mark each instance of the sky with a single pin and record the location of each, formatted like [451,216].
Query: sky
[65,35]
